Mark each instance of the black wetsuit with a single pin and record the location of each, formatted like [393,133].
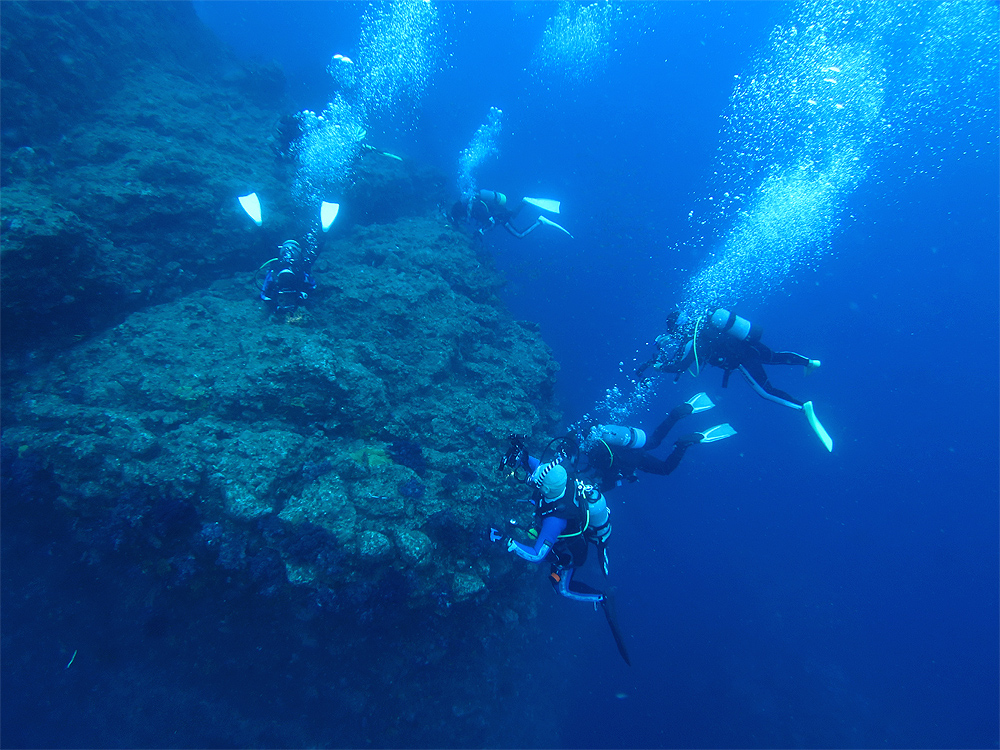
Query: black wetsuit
[490,209]
[717,347]
[614,465]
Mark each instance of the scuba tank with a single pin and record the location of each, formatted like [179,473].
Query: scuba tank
[624,437]
[598,515]
[739,328]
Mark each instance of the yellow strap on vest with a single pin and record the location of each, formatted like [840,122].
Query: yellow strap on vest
[585,527]
[610,452]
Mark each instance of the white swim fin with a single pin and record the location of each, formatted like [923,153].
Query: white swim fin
[251,204]
[719,432]
[700,402]
[821,433]
[327,213]
[546,204]
[547,222]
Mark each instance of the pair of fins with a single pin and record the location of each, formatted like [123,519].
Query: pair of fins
[701,402]
[552,206]
[251,204]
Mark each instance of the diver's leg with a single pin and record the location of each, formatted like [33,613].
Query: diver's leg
[788,358]
[769,357]
[653,465]
[564,584]
[757,378]
[521,232]
[676,414]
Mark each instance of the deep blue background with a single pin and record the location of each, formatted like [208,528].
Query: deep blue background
[774,594]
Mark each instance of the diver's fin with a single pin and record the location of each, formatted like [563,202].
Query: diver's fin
[719,432]
[608,605]
[546,204]
[327,213]
[700,402]
[543,220]
[251,204]
[812,366]
[823,435]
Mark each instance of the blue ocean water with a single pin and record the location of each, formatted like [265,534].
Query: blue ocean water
[772,594]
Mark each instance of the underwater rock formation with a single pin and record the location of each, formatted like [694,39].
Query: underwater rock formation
[121,152]
[214,439]
[320,484]
[122,161]
[351,418]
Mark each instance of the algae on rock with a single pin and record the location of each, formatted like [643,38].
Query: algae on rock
[211,398]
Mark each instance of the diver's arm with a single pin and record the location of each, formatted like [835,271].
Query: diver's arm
[552,527]
[681,363]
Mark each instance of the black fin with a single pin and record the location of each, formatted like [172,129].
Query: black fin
[608,605]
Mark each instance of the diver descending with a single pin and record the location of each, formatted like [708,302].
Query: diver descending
[288,280]
[619,452]
[727,341]
[488,209]
[569,517]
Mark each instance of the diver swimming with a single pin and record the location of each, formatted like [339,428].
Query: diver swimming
[723,339]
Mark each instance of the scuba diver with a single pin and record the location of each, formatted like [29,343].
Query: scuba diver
[618,452]
[569,517]
[288,281]
[612,454]
[488,208]
[729,342]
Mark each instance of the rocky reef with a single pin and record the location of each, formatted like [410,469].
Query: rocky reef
[320,482]
[122,156]
[359,435]
[340,461]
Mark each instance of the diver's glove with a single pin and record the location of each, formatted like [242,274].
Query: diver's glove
[496,535]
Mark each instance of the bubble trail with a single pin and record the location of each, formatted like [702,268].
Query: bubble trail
[843,88]
[581,39]
[482,146]
[399,51]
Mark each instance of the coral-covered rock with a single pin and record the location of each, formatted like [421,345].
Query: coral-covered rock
[415,547]
[374,546]
[383,406]
[466,585]
[328,475]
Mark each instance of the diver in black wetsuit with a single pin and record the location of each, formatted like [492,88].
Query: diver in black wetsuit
[288,281]
[488,209]
[727,341]
[618,452]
